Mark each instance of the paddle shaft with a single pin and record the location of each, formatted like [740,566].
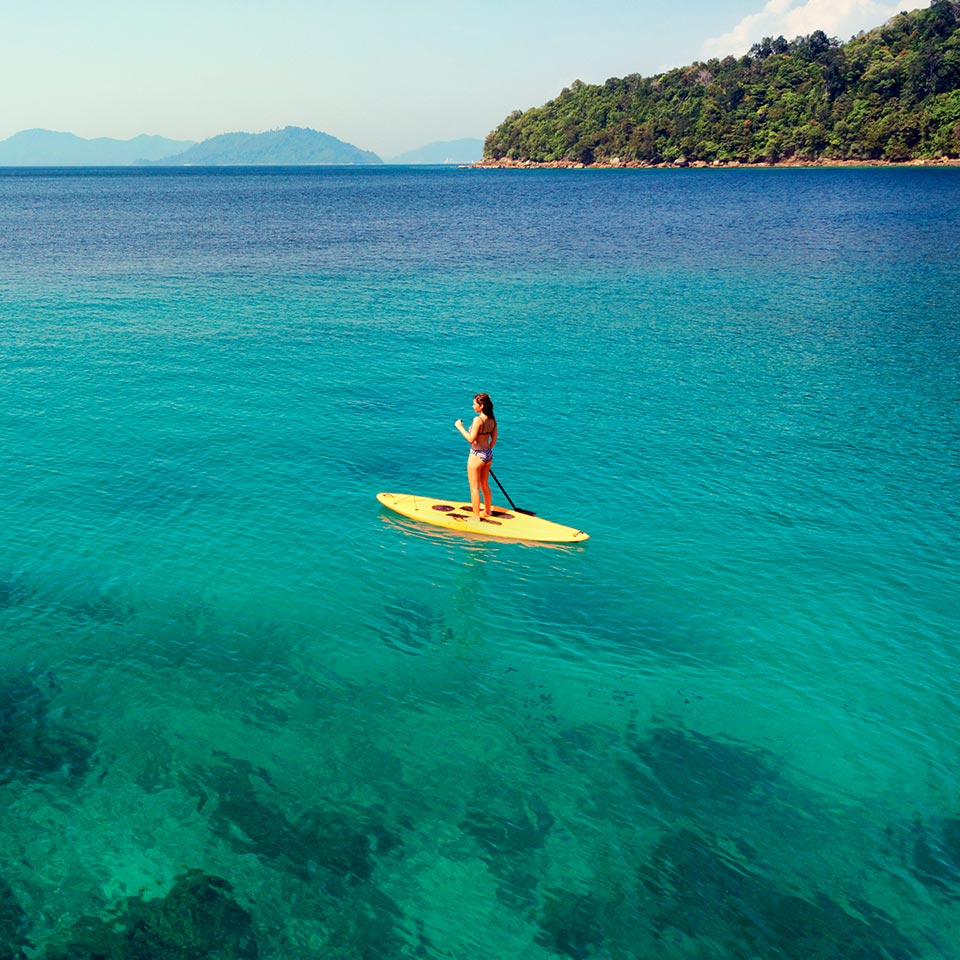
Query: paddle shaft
[529,513]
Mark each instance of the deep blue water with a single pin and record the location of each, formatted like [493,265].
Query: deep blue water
[233,689]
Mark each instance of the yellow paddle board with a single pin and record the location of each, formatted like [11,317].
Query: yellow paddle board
[456,515]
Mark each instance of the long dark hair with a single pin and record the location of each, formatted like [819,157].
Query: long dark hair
[486,404]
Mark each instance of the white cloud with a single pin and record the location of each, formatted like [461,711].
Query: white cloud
[790,19]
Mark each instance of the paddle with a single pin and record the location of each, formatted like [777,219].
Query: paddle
[529,513]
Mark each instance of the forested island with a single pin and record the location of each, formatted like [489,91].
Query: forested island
[291,146]
[889,95]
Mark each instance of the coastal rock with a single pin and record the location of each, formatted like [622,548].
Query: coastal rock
[506,163]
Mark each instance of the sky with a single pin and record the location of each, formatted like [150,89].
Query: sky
[386,75]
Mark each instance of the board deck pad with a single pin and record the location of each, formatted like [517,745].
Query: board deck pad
[456,515]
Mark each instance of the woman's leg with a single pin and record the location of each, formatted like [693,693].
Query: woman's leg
[474,467]
[485,487]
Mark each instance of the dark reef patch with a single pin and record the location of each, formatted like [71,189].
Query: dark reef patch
[681,770]
[607,919]
[362,924]
[34,740]
[327,856]
[570,924]
[254,663]
[13,592]
[14,924]
[101,608]
[196,641]
[935,855]
[158,763]
[511,832]
[347,845]
[708,890]
[334,846]
[197,920]
[521,828]
[410,627]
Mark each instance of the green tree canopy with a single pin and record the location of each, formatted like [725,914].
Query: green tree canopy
[889,94]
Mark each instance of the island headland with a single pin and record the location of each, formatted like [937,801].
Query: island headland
[888,96]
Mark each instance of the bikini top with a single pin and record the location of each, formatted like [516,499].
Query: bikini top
[486,433]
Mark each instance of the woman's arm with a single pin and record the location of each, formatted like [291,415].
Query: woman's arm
[474,429]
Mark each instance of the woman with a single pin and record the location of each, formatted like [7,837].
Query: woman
[482,436]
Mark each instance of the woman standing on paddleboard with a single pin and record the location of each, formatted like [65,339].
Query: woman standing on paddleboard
[481,437]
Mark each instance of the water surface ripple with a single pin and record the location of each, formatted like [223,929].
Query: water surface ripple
[245,713]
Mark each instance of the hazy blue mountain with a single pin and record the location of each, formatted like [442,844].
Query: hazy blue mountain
[43,148]
[468,150]
[291,146]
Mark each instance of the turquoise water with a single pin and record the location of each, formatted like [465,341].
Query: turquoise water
[246,713]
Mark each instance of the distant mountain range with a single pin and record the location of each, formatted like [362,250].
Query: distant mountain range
[444,151]
[43,148]
[291,146]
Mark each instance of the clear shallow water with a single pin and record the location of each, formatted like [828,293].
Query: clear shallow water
[233,689]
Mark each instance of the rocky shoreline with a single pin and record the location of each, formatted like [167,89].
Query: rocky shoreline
[682,163]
